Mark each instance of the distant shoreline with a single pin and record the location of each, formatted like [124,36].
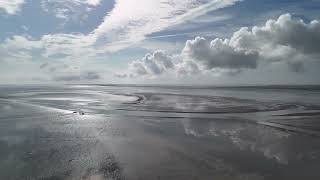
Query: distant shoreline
[301,87]
[311,87]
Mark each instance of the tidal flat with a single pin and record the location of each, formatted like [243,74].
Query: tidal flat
[96,132]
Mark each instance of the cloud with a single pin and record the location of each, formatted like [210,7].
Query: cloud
[84,76]
[118,30]
[151,64]
[153,16]
[285,31]
[219,54]
[297,66]
[93,2]
[119,75]
[205,8]
[61,71]
[75,10]
[285,40]
[53,67]
[63,3]
[11,7]
[282,40]
[58,45]
[18,48]
[187,68]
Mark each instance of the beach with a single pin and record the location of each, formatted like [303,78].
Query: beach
[95,132]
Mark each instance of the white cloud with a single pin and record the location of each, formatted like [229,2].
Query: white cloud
[153,16]
[75,11]
[72,2]
[124,26]
[19,43]
[11,7]
[285,31]
[74,46]
[152,64]
[187,68]
[18,48]
[219,54]
[204,9]
[93,2]
[71,10]
[284,40]
[131,22]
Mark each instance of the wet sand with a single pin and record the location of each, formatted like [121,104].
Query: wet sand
[118,132]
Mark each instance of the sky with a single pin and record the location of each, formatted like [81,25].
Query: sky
[205,42]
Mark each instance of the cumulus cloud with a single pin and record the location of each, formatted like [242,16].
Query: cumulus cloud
[11,7]
[187,68]
[219,54]
[285,31]
[284,40]
[152,64]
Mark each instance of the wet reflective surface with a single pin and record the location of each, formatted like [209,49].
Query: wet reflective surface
[121,132]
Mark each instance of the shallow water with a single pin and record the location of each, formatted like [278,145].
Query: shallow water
[123,132]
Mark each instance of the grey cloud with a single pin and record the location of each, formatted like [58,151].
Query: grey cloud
[64,72]
[86,76]
[118,75]
[54,67]
[90,75]
[44,65]
[67,78]
[58,56]
[297,66]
